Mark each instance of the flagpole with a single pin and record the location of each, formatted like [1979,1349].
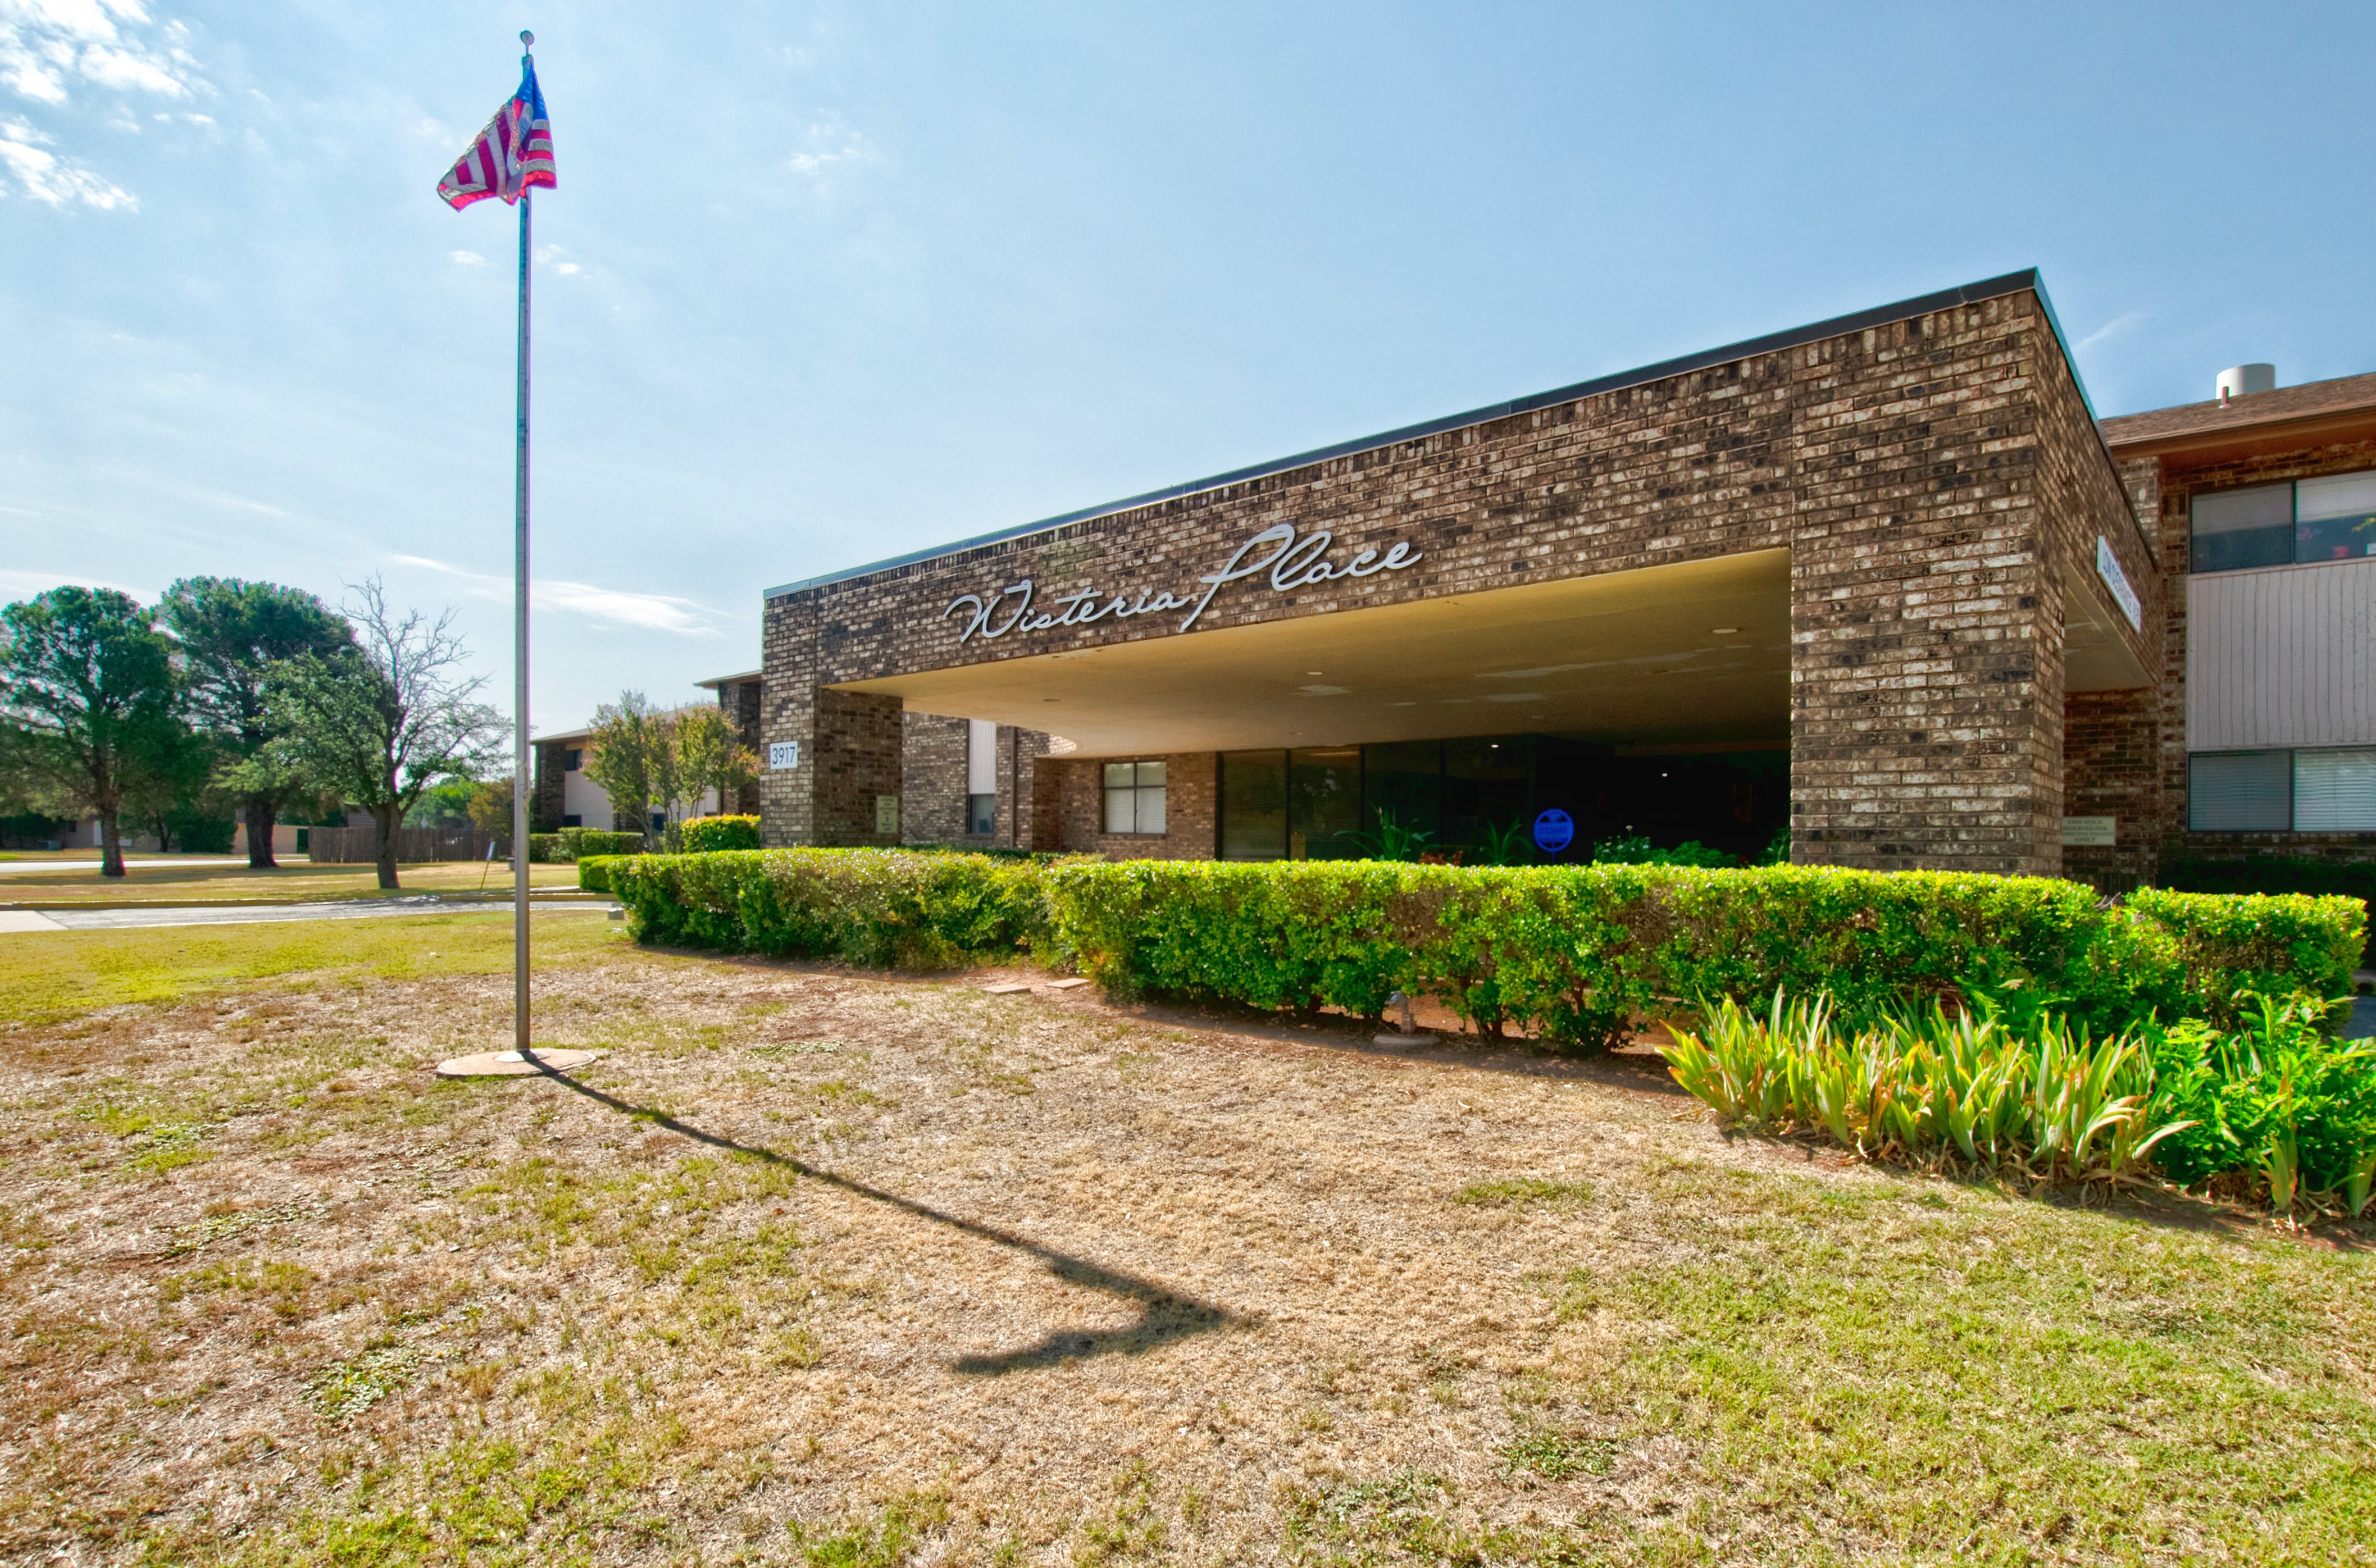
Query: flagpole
[520,774]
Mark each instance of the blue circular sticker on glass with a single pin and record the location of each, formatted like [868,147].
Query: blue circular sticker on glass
[1554,831]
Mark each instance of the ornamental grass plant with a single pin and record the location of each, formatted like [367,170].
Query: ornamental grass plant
[1963,1093]
[2271,1111]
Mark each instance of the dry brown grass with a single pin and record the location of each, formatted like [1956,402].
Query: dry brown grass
[843,1268]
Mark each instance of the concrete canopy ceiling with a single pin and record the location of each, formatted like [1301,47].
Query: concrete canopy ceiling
[1626,657]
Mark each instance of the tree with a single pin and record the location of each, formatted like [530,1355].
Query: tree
[166,790]
[232,633]
[491,808]
[711,756]
[619,756]
[88,681]
[383,720]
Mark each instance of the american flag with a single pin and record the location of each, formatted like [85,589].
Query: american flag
[512,154]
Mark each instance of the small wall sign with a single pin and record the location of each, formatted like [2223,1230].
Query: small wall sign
[886,816]
[2107,567]
[2088,832]
[1554,831]
[783,755]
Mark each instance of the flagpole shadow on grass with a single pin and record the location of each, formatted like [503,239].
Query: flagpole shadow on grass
[1166,1315]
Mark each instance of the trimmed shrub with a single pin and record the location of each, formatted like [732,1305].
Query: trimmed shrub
[585,841]
[594,873]
[705,835]
[544,849]
[873,906]
[2276,873]
[1577,954]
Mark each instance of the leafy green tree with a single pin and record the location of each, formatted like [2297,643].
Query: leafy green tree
[491,808]
[88,682]
[711,756]
[168,793]
[382,722]
[622,752]
[232,633]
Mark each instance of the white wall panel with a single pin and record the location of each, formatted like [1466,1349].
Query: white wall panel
[2284,656]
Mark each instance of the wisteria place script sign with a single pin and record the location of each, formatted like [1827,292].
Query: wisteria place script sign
[1294,563]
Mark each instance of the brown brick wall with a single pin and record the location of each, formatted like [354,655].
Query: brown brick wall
[545,799]
[2112,759]
[858,758]
[1931,478]
[1191,799]
[933,780]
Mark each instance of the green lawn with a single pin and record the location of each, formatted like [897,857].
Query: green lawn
[46,976]
[844,1271]
[292,882]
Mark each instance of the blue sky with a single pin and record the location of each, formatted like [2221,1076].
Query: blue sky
[825,283]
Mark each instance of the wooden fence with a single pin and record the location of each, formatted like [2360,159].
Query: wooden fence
[353,846]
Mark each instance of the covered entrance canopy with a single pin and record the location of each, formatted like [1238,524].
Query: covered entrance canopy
[1694,652]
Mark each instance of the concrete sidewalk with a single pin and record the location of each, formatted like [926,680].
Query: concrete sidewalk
[239,914]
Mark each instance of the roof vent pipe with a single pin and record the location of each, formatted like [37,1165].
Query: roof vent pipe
[2239,380]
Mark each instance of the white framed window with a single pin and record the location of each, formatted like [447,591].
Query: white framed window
[2329,518]
[981,776]
[1135,797]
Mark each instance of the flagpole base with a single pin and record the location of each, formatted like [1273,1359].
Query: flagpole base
[515,1064]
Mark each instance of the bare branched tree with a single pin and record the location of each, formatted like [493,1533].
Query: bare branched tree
[381,722]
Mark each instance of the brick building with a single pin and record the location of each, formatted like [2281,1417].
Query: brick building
[1878,582]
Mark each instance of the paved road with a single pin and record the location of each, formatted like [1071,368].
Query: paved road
[238,914]
[17,868]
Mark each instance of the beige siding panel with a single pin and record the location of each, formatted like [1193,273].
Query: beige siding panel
[2285,656]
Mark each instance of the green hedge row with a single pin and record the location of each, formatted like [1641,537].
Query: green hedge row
[2276,873]
[1572,953]
[872,906]
[708,835]
[576,843]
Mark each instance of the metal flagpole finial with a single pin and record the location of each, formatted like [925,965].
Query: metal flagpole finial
[528,38]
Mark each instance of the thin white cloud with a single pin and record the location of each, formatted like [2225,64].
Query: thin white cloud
[16,585]
[47,47]
[609,607]
[833,148]
[469,258]
[60,182]
[553,257]
[2110,330]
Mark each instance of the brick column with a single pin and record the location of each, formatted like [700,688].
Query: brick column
[788,713]
[1926,608]
[857,757]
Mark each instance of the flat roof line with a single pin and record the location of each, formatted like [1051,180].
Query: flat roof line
[1773,342]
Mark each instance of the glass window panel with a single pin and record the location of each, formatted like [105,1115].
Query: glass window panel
[1118,775]
[1254,805]
[2236,528]
[2239,791]
[1486,781]
[2334,790]
[2337,517]
[1324,802]
[1151,773]
[1404,780]
[982,757]
[1150,806]
[981,813]
[1122,810]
